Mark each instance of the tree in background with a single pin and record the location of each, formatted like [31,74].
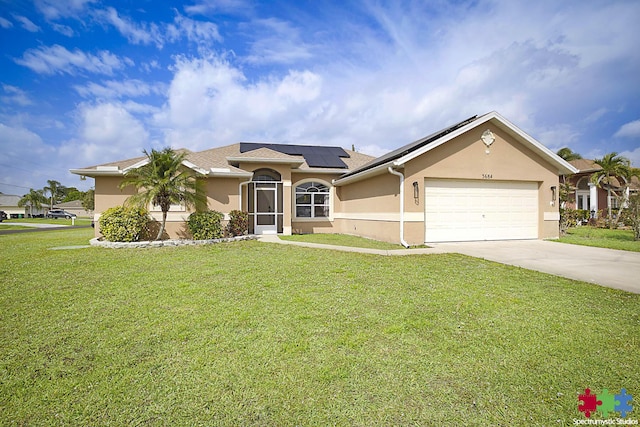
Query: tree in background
[567,154]
[33,199]
[54,188]
[88,200]
[613,167]
[69,194]
[164,181]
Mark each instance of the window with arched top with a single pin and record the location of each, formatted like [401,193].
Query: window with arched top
[583,183]
[312,200]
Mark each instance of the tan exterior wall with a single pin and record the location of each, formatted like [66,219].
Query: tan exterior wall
[222,196]
[385,231]
[370,208]
[464,157]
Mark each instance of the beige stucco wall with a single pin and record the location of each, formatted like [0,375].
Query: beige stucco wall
[222,196]
[369,208]
[464,157]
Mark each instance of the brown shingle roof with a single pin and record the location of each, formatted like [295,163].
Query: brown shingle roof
[216,158]
[585,165]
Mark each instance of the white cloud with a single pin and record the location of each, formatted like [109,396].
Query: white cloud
[629,130]
[27,162]
[194,31]
[136,33]
[276,41]
[117,89]
[63,29]
[5,23]
[205,7]
[15,95]
[57,59]
[27,24]
[55,9]
[634,156]
[107,132]
[210,103]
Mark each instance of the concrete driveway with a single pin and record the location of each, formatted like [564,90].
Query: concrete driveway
[607,267]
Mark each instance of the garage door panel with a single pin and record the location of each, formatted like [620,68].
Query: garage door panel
[459,210]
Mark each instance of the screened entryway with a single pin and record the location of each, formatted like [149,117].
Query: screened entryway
[265,202]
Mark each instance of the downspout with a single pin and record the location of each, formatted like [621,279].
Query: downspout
[401,176]
[240,193]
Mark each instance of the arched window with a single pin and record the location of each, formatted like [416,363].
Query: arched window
[312,200]
[583,184]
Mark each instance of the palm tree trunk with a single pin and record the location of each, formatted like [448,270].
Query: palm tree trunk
[162,225]
[609,204]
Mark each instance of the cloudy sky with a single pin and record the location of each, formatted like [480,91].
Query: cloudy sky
[84,82]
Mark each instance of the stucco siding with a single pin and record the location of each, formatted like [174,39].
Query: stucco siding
[466,157]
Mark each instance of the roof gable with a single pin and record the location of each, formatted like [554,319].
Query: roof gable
[402,155]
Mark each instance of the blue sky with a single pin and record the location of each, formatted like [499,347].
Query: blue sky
[84,82]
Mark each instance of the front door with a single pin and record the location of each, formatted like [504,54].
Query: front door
[265,195]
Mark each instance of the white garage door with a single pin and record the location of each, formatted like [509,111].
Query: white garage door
[459,210]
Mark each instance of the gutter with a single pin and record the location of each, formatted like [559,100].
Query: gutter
[377,170]
[401,176]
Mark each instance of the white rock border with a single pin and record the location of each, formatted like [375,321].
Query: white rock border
[97,241]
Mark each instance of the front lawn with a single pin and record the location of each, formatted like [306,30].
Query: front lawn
[252,333]
[602,238]
[58,221]
[342,240]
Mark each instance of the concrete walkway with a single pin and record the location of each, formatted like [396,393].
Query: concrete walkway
[606,267]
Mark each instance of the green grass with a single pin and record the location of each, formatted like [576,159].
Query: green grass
[342,240]
[60,221]
[602,238]
[5,226]
[251,333]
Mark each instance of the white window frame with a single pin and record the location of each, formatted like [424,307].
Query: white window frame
[294,204]
[172,208]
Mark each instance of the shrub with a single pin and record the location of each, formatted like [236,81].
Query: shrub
[238,223]
[205,225]
[123,224]
[631,215]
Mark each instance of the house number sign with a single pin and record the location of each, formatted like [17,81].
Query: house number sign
[487,176]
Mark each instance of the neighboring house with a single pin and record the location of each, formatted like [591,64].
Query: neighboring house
[588,196]
[480,179]
[9,204]
[74,207]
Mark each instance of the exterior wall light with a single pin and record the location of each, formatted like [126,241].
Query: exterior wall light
[416,191]
[553,195]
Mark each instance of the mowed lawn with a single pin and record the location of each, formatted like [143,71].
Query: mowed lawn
[252,333]
[601,237]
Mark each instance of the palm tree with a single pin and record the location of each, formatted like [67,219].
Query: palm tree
[612,166]
[53,189]
[35,198]
[567,154]
[163,181]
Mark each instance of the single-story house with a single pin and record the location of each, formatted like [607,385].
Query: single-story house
[9,204]
[74,207]
[480,179]
[588,196]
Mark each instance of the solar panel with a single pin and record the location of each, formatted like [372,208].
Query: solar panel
[315,156]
